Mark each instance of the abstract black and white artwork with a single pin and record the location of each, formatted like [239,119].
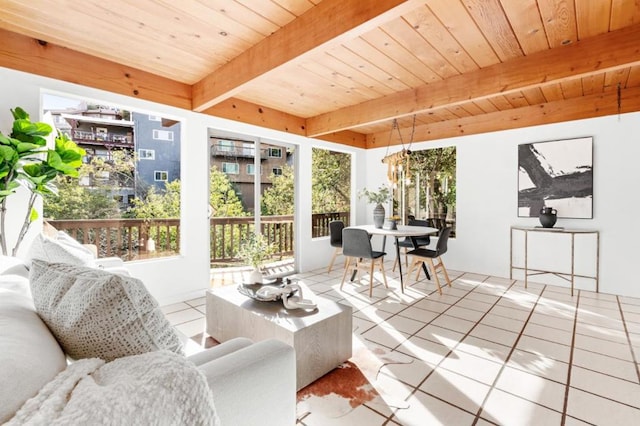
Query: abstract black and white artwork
[557,174]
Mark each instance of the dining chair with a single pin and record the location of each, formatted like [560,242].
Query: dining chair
[421,255]
[406,243]
[356,247]
[335,239]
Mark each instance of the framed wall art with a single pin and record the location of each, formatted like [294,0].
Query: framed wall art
[557,174]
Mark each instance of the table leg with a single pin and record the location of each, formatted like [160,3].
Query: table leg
[399,265]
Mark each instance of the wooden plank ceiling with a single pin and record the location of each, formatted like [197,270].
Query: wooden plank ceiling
[343,70]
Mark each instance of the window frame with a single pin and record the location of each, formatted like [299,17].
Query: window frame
[147,151]
[155,176]
[236,168]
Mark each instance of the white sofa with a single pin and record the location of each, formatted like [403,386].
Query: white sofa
[251,383]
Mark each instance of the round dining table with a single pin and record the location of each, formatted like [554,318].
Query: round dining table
[401,231]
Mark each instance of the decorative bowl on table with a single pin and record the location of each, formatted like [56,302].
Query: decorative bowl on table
[391,224]
[251,290]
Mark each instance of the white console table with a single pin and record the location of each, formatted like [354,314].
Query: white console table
[571,233]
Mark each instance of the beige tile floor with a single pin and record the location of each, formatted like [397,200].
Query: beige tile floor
[485,352]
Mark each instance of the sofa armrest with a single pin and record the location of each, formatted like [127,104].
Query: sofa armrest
[109,262]
[255,385]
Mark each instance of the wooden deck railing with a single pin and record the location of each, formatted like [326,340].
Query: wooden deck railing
[130,239]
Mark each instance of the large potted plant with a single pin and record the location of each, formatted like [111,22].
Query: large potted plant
[254,251]
[382,195]
[25,160]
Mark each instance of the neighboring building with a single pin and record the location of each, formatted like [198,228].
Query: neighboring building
[235,158]
[158,152]
[101,130]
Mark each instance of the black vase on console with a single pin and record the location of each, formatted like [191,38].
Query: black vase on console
[548,217]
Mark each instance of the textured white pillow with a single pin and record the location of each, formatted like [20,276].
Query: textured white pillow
[61,249]
[95,313]
[29,355]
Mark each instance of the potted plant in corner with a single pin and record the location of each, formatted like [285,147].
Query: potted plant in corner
[254,251]
[25,160]
[377,197]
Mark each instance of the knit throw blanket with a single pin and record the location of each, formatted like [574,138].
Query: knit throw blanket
[160,388]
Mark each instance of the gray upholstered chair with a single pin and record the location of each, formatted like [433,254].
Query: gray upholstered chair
[406,243]
[335,239]
[421,255]
[356,246]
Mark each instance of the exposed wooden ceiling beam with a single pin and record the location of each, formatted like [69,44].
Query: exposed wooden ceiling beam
[247,112]
[346,137]
[609,51]
[324,25]
[583,107]
[37,57]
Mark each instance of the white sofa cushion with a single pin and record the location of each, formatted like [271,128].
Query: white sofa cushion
[60,249]
[29,356]
[13,266]
[96,313]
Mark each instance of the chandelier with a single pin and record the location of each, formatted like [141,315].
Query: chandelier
[398,162]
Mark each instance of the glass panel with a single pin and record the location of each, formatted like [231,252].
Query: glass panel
[277,204]
[235,171]
[128,205]
[331,189]
[426,189]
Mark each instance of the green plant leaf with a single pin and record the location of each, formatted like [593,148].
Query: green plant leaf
[25,146]
[34,215]
[19,113]
[7,153]
[26,127]
[32,169]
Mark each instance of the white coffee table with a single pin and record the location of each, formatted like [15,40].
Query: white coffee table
[321,339]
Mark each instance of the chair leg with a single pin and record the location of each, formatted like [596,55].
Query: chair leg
[333,259]
[371,278]
[435,274]
[346,270]
[413,264]
[384,274]
[446,275]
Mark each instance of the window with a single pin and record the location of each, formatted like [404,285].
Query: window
[226,146]
[248,149]
[163,135]
[275,152]
[330,189]
[231,168]
[155,118]
[251,169]
[277,171]
[147,154]
[101,133]
[161,176]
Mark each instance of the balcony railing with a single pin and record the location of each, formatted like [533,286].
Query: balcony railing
[85,136]
[129,239]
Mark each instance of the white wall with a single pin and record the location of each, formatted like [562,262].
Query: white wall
[186,276]
[486,190]
[487,202]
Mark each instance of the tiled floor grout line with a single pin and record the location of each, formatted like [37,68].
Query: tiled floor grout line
[507,358]
[630,343]
[565,404]
[417,387]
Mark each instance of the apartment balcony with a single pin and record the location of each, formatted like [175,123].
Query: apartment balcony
[93,138]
